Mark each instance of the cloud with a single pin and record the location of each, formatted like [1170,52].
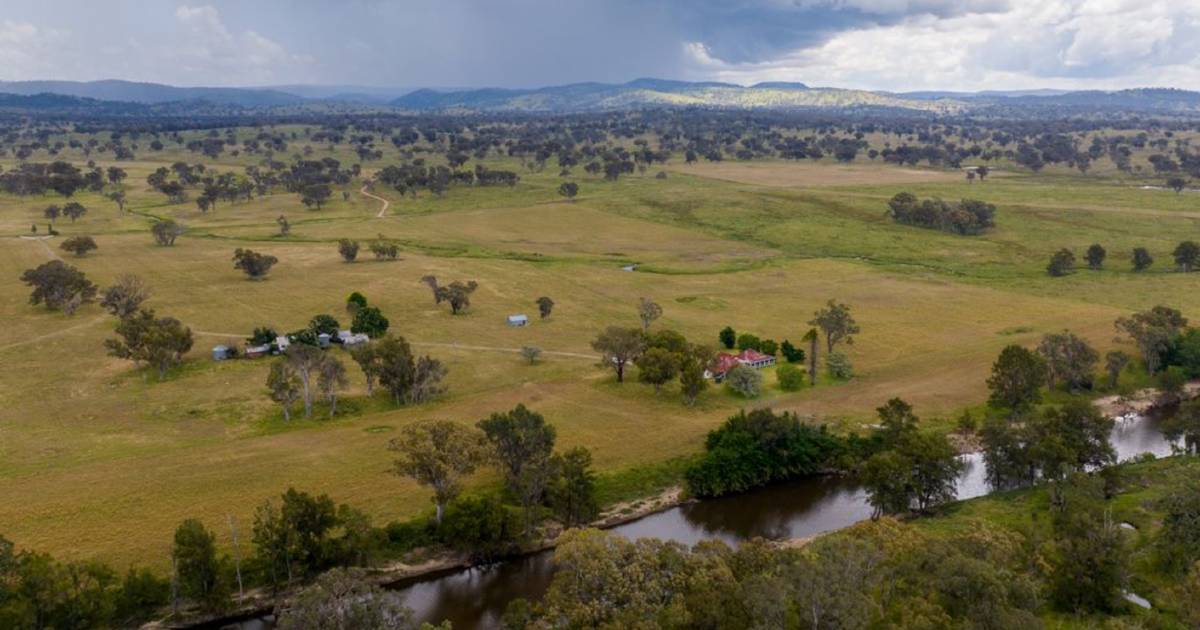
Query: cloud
[754,31]
[28,48]
[875,44]
[1031,43]
[209,47]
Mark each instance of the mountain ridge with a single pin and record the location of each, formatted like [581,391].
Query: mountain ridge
[588,96]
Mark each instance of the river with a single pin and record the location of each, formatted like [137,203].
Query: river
[476,597]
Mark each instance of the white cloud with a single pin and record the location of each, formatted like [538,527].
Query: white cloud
[211,48]
[27,51]
[1034,43]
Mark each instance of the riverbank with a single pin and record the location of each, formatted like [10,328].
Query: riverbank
[641,517]
[395,575]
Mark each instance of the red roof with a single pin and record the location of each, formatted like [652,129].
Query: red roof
[752,356]
[723,363]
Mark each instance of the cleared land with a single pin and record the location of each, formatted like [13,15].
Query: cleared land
[813,174]
[100,460]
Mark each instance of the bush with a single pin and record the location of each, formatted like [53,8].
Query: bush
[791,353]
[728,337]
[747,341]
[967,217]
[480,526]
[768,346]
[356,302]
[262,336]
[791,378]
[405,536]
[757,448]
[839,366]
[744,380]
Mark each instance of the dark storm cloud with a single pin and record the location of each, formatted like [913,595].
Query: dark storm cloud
[760,30]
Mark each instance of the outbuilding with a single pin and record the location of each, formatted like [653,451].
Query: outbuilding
[253,352]
[220,353]
[518,320]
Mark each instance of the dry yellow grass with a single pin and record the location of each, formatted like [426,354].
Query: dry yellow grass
[96,462]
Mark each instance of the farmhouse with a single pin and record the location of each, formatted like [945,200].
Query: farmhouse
[725,362]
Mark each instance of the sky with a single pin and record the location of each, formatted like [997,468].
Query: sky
[897,45]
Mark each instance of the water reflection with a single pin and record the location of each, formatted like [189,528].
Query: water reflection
[475,598]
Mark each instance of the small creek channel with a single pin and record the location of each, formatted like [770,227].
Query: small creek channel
[476,597]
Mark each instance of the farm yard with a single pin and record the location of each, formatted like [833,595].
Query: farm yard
[101,460]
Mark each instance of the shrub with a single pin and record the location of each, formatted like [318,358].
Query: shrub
[1061,263]
[355,303]
[768,346]
[791,353]
[744,380]
[480,526]
[967,217]
[757,448]
[747,341]
[791,378]
[262,335]
[728,337]
[839,365]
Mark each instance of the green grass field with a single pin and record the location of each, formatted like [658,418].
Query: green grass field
[98,460]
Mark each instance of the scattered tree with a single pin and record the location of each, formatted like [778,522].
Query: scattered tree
[457,295]
[657,366]
[1016,380]
[1141,259]
[568,190]
[648,311]
[438,454]
[79,245]
[545,305]
[73,210]
[315,195]
[166,231]
[284,385]
[197,568]
[1186,254]
[1069,360]
[348,249]
[522,443]
[331,378]
[836,322]
[618,347]
[1153,331]
[1095,256]
[1061,263]
[59,286]
[531,353]
[254,264]
[1114,363]
[572,492]
[159,342]
[125,296]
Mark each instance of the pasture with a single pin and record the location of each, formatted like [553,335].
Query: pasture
[98,460]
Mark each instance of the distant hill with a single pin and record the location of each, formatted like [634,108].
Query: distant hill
[129,91]
[123,97]
[643,93]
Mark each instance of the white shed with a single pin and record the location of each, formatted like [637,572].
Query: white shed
[518,320]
